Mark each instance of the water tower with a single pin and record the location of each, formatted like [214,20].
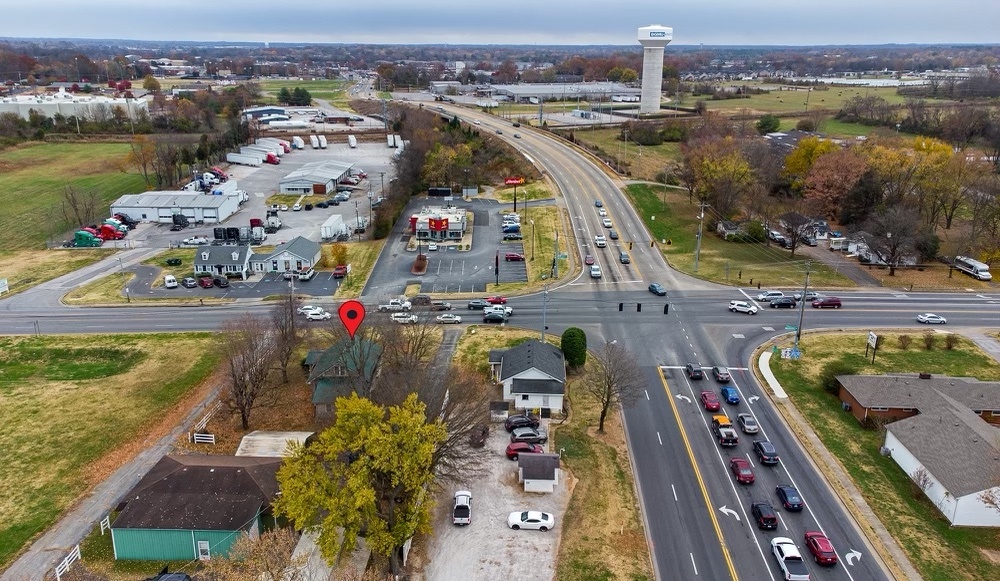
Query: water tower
[652,38]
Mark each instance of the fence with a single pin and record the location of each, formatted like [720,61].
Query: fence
[64,565]
[199,438]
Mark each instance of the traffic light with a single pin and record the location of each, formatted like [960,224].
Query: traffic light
[638,307]
[621,307]
[666,308]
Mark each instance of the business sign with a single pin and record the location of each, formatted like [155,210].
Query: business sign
[657,34]
[513,181]
[872,339]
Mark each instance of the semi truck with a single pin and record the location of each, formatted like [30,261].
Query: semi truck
[84,239]
[257,234]
[265,155]
[297,143]
[245,159]
[322,142]
[352,141]
[272,223]
[286,147]
[271,146]
[314,141]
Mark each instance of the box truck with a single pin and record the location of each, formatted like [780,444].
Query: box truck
[333,228]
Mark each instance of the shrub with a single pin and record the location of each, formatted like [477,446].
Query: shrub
[929,340]
[574,346]
[904,342]
[950,341]
[828,375]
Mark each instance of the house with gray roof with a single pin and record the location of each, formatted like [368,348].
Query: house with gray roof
[341,370]
[299,253]
[533,376]
[538,472]
[223,260]
[942,431]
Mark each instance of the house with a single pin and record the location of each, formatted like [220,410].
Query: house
[339,370]
[727,229]
[223,260]
[297,254]
[195,507]
[538,472]
[533,376]
[944,432]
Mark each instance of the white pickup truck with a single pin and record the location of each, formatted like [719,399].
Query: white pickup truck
[502,309]
[789,559]
[395,305]
[403,318]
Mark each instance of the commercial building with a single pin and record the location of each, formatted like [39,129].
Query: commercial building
[70,105]
[439,224]
[160,207]
[318,178]
[598,91]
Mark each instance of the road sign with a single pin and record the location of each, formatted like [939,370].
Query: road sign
[791,328]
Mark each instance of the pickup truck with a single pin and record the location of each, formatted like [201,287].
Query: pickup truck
[403,318]
[501,309]
[789,559]
[724,431]
[395,305]
[462,514]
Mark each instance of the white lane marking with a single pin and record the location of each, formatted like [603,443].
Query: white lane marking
[675,492]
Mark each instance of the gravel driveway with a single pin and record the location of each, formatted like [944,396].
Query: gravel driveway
[487,549]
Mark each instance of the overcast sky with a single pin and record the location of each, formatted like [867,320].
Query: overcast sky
[726,22]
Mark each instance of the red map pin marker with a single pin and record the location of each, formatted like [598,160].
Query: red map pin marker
[351,314]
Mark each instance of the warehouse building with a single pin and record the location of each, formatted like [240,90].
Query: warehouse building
[160,207]
[598,91]
[318,178]
[70,105]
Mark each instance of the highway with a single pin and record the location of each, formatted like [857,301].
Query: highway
[696,516]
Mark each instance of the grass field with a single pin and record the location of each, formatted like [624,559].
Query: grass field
[71,406]
[939,552]
[35,176]
[787,99]
[361,256]
[642,163]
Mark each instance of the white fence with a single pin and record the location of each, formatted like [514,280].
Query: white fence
[63,566]
[198,438]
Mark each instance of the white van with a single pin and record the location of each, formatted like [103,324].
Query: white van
[169,281]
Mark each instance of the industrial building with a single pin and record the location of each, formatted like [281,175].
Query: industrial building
[318,178]
[161,206]
[69,105]
[533,92]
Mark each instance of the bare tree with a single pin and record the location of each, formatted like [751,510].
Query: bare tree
[248,345]
[616,379]
[406,354]
[892,234]
[286,332]
[922,480]
[267,557]
[79,207]
[459,397]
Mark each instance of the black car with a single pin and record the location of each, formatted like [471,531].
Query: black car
[173,262]
[529,435]
[494,318]
[308,207]
[721,374]
[520,421]
[790,498]
[613,235]
[694,371]
[783,303]
[513,236]
[176,228]
[478,304]
[657,289]
[220,281]
[765,516]
[766,452]
[599,204]
[321,204]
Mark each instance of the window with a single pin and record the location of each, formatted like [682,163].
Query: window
[204,256]
[995,413]
[877,409]
[204,552]
[236,256]
[524,397]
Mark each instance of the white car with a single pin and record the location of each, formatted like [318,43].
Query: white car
[768,296]
[742,307]
[432,246]
[318,315]
[531,519]
[403,318]
[931,319]
[476,122]
[296,207]
[600,241]
[195,240]
[304,309]
[606,222]
[284,207]
[448,318]
[595,271]
[602,212]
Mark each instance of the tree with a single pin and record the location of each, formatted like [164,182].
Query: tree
[248,346]
[831,178]
[616,379]
[150,84]
[368,473]
[768,124]
[892,233]
[267,557]
[574,346]
[284,96]
[801,159]
[79,207]
[286,332]
[142,155]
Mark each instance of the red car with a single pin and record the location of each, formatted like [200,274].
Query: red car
[821,548]
[340,271]
[497,300]
[588,260]
[513,256]
[206,282]
[515,448]
[710,401]
[741,470]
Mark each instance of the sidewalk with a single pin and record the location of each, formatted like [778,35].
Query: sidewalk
[870,528]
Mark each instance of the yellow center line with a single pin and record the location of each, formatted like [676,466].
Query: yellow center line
[701,481]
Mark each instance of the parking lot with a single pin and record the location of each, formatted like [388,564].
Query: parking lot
[487,548]
[448,269]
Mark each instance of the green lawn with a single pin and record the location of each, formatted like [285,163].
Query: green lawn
[67,403]
[642,162]
[939,552]
[790,99]
[34,178]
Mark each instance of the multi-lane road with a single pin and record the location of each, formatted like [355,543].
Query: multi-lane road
[697,517]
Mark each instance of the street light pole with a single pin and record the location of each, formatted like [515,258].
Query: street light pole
[532,222]
[802,308]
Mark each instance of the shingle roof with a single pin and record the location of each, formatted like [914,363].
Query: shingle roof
[955,446]
[326,390]
[909,391]
[350,354]
[198,491]
[222,255]
[496,355]
[546,386]
[533,354]
[298,246]
[538,466]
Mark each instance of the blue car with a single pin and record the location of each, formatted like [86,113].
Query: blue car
[730,394]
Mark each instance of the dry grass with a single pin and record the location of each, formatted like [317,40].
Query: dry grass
[361,256]
[25,269]
[70,417]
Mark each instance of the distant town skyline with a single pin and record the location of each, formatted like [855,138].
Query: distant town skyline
[552,22]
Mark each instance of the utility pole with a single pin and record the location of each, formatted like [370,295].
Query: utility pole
[545,301]
[802,306]
[697,243]
[555,257]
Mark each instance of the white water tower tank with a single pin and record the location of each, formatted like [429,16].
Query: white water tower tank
[652,38]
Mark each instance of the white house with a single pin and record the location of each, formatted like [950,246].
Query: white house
[299,253]
[223,260]
[538,472]
[533,376]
